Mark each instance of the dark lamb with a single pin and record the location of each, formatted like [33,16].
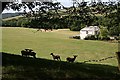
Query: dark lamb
[28,53]
[71,59]
[55,57]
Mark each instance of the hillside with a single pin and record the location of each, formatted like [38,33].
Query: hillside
[16,67]
[9,15]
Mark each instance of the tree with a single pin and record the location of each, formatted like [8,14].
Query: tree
[3,5]
[113,24]
[41,15]
[79,15]
[48,15]
[103,33]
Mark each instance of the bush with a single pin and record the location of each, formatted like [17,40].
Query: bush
[75,28]
[117,37]
[105,38]
[19,22]
[75,37]
[90,37]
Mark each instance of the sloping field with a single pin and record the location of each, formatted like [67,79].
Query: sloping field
[10,18]
[58,42]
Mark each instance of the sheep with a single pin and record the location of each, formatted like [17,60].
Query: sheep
[55,57]
[33,54]
[24,53]
[71,59]
[28,52]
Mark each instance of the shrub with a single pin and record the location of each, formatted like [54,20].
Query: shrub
[105,38]
[75,37]
[90,37]
[117,37]
[75,28]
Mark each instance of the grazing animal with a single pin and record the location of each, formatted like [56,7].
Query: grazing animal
[28,53]
[55,57]
[69,59]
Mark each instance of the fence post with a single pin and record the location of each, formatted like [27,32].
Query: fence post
[118,58]
[118,55]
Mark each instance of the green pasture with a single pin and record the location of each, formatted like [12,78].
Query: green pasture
[10,18]
[43,43]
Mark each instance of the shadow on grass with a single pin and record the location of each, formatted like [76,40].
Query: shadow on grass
[16,67]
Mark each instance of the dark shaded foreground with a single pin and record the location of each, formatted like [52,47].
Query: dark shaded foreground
[16,67]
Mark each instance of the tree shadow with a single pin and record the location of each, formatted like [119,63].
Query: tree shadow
[28,68]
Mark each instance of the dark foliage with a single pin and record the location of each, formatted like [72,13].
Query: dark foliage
[75,37]
[91,37]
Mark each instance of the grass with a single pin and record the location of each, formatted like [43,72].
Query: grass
[58,42]
[16,17]
[16,67]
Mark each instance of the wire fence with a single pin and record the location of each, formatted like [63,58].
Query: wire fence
[99,60]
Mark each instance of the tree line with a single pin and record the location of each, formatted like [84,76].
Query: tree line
[49,15]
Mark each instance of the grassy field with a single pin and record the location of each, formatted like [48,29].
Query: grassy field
[58,42]
[16,17]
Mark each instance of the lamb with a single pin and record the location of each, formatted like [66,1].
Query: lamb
[24,53]
[55,57]
[33,54]
[71,59]
[28,52]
